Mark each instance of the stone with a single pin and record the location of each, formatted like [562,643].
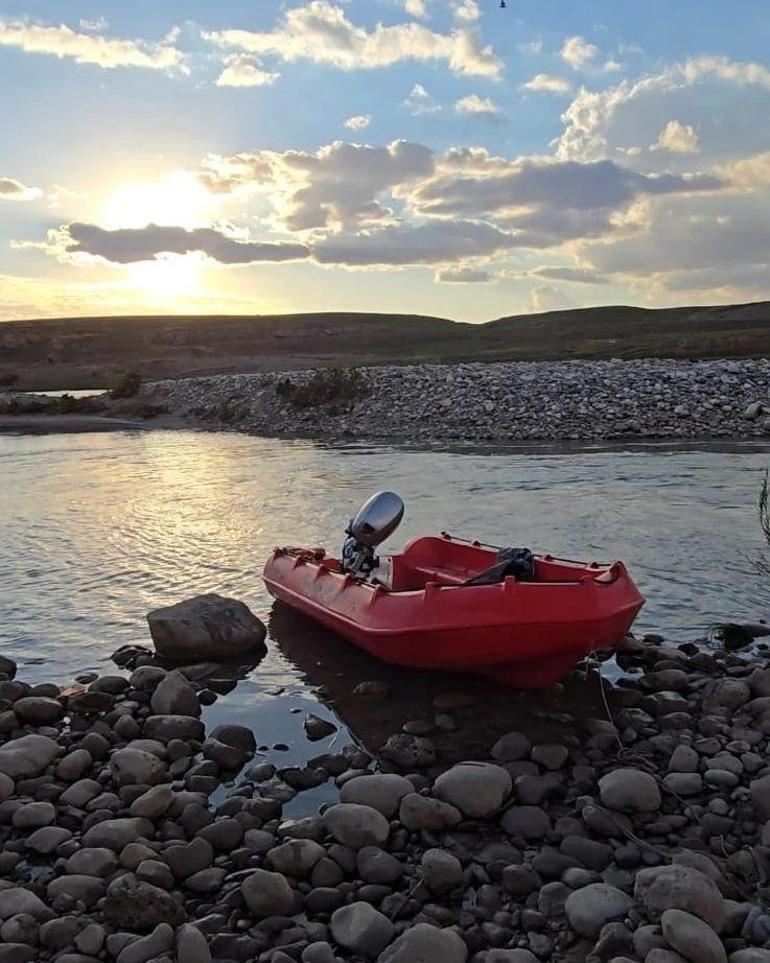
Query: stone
[17,900]
[424,943]
[354,825]
[16,953]
[683,783]
[409,752]
[205,628]
[153,803]
[760,794]
[139,906]
[630,790]
[189,858]
[166,728]
[317,728]
[131,767]
[90,939]
[477,789]
[80,889]
[297,857]
[361,928]
[726,694]
[74,765]
[47,839]
[146,677]
[191,945]
[590,907]
[691,937]
[27,756]
[38,710]
[683,759]
[531,822]
[114,834]
[381,791]
[148,947]
[374,865]
[33,815]
[511,747]
[174,696]
[267,894]
[659,888]
[92,861]
[230,747]
[442,871]
[418,812]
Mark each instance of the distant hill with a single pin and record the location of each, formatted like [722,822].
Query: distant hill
[94,352]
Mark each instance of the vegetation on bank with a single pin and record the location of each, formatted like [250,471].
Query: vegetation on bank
[335,388]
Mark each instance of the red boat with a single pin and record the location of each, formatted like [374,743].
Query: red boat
[424,613]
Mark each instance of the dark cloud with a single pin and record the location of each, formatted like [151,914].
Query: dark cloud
[577,275]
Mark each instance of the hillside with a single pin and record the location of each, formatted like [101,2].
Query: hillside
[93,352]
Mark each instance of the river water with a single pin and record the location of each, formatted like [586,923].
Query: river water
[97,529]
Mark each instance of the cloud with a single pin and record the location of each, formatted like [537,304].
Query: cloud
[571,274]
[358,122]
[126,245]
[578,52]
[320,31]
[546,297]
[531,47]
[677,138]
[420,102]
[548,83]
[475,106]
[463,276]
[416,8]
[467,11]
[13,190]
[748,173]
[107,52]
[96,25]
[242,70]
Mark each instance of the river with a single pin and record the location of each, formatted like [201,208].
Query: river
[97,529]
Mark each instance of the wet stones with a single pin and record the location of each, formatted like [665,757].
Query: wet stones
[409,751]
[173,695]
[166,728]
[630,790]
[477,789]
[205,628]
[38,710]
[230,747]
[317,728]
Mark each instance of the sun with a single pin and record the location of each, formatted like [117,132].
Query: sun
[178,200]
[170,277]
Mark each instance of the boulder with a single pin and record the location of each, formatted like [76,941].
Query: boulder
[174,696]
[38,710]
[660,888]
[691,937]
[27,756]
[230,747]
[205,628]
[356,826]
[114,834]
[135,905]
[132,767]
[164,728]
[296,857]
[361,928]
[590,907]
[381,791]
[267,894]
[148,947]
[630,790]
[477,789]
[317,728]
[16,900]
[425,943]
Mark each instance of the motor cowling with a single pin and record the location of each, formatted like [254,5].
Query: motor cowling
[374,522]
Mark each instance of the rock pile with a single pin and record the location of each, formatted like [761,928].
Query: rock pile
[502,402]
[130,835]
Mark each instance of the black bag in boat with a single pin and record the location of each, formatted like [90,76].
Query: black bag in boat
[519,562]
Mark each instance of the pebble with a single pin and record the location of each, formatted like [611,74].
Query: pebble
[477,789]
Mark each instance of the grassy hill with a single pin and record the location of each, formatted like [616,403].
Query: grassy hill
[94,352]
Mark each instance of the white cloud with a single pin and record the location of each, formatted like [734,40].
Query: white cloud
[546,297]
[467,11]
[571,274]
[463,276]
[531,47]
[611,66]
[476,106]
[242,70]
[321,32]
[420,102]
[96,25]
[416,8]
[548,83]
[13,190]
[578,52]
[107,52]
[358,122]
[677,138]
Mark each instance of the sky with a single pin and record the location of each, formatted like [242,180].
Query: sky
[443,157]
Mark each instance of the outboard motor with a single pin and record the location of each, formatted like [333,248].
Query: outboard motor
[375,521]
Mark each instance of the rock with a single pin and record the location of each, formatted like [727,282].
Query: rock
[191,945]
[752,954]
[38,710]
[683,759]
[47,840]
[146,677]
[726,694]
[139,906]
[153,803]
[760,794]
[381,791]
[92,862]
[442,871]
[424,943]
[374,865]
[114,834]
[409,752]
[148,947]
[33,815]
[297,857]
[680,887]
[16,900]
[355,825]
[317,728]
[630,790]
[27,756]
[418,812]
[550,756]
[134,767]
[590,907]
[189,858]
[361,928]
[531,822]
[205,628]
[477,789]
[80,889]
[174,696]
[267,894]
[16,953]
[230,747]
[74,765]
[511,747]
[691,937]
[684,783]
[7,787]
[90,939]
[7,666]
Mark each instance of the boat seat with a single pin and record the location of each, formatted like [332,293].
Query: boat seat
[441,575]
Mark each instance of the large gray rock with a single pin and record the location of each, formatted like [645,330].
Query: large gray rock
[92,861]
[114,834]
[18,900]
[148,947]
[296,857]
[131,767]
[590,907]
[511,747]
[381,791]
[164,728]
[531,822]
[191,945]
[424,943]
[409,751]
[660,888]
[138,906]
[267,894]
[38,710]
[80,889]
[361,928]
[418,812]
[153,803]
[27,756]
[477,789]
[230,747]
[630,790]
[356,826]
[691,937]
[442,871]
[175,696]
[205,628]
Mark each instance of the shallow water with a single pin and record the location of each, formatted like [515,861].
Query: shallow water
[96,529]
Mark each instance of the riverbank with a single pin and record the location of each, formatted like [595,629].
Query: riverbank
[635,832]
[500,402]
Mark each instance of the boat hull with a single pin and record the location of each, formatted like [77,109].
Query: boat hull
[525,634]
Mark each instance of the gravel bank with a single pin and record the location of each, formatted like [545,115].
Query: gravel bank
[502,402]
[643,840]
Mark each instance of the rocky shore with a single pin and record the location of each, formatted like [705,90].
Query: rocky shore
[495,402]
[641,835]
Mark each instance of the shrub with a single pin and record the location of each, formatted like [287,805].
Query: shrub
[337,387]
[128,386]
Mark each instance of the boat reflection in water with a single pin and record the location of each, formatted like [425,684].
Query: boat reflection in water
[480,709]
